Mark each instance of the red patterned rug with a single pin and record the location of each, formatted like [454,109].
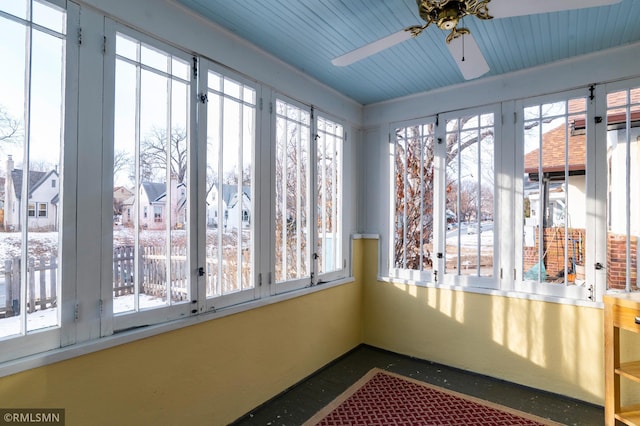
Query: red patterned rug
[384,398]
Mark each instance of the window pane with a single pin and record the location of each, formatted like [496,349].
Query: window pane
[230,206]
[623,157]
[329,190]
[154,58]
[127,47]
[414,168]
[180,69]
[49,17]
[32,149]
[554,197]
[150,258]
[470,192]
[292,190]
[15,7]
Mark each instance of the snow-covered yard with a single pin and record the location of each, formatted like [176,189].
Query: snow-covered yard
[46,244]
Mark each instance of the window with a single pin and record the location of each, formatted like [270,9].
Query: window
[31,129]
[230,130]
[470,195]
[151,154]
[195,209]
[329,142]
[443,200]
[308,241]
[552,203]
[292,192]
[623,189]
[413,244]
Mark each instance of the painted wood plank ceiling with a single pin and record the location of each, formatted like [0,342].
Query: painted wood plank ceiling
[308,34]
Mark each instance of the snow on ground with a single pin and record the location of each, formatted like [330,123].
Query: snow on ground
[49,317]
[40,243]
[46,243]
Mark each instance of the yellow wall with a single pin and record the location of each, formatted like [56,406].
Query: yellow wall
[210,373]
[214,372]
[548,346]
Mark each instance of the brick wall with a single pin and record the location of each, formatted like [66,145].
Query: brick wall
[554,258]
[617,261]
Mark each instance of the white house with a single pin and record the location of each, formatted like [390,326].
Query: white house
[152,213]
[43,199]
[234,214]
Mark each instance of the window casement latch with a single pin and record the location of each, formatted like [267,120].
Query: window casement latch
[203,98]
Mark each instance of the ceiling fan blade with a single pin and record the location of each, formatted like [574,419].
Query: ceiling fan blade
[468,57]
[371,48]
[509,8]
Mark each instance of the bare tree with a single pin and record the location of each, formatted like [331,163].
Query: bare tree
[10,128]
[41,166]
[121,161]
[414,178]
[156,149]
[291,187]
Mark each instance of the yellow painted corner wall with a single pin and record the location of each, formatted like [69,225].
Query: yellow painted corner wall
[210,373]
[549,346]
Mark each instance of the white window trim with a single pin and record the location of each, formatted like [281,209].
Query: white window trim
[401,273]
[345,204]
[242,296]
[492,282]
[547,289]
[111,322]
[13,347]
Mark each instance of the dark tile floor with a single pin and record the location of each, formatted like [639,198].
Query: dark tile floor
[303,400]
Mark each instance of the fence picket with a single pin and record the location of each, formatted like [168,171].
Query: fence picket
[39,296]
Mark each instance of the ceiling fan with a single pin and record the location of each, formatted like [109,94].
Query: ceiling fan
[447,15]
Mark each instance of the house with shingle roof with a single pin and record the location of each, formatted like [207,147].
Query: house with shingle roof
[235,209]
[559,166]
[154,212]
[43,199]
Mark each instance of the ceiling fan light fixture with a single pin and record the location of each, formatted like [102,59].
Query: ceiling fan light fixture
[448,17]
[446,14]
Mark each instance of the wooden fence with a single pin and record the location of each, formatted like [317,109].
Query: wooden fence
[41,284]
[152,276]
[152,271]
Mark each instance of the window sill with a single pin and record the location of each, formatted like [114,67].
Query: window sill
[61,354]
[496,292]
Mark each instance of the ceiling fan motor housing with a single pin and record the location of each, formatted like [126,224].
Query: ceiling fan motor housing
[447,13]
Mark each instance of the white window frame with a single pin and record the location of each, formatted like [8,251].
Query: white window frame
[304,281]
[313,278]
[341,241]
[470,281]
[437,276]
[27,343]
[592,237]
[427,275]
[122,321]
[229,299]
[603,180]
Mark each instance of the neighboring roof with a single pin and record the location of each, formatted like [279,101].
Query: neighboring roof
[553,152]
[553,142]
[154,190]
[229,190]
[35,180]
